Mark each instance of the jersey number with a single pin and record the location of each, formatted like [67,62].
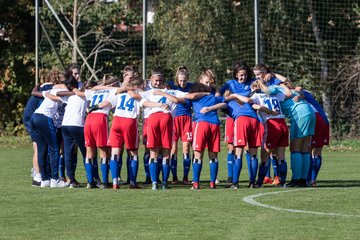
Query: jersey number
[97,99]
[129,104]
[273,104]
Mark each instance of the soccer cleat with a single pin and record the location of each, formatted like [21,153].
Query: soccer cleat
[97,182]
[186,181]
[103,186]
[154,186]
[267,180]
[164,186]
[302,182]
[217,181]
[74,184]
[234,186]
[90,185]
[134,186]
[251,185]
[58,183]
[175,180]
[276,180]
[293,183]
[36,183]
[212,185]
[115,186]
[313,183]
[147,180]
[258,185]
[45,183]
[195,186]
[229,180]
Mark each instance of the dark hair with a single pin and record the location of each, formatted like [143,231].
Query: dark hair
[90,84]
[157,71]
[70,82]
[262,67]
[136,82]
[199,87]
[72,66]
[240,65]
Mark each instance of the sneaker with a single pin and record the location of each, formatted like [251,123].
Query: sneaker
[186,181]
[154,186]
[90,185]
[164,186]
[134,186]
[276,180]
[58,183]
[293,183]
[212,185]
[217,181]
[229,180]
[302,183]
[195,186]
[251,185]
[313,183]
[115,186]
[175,180]
[45,183]
[147,180]
[35,183]
[234,186]
[258,185]
[103,185]
[97,183]
[32,172]
[267,180]
[74,184]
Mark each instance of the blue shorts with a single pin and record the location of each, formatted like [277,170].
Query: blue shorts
[29,128]
[302,123]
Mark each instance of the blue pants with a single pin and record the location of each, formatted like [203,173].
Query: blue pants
[45,135]
[72,136]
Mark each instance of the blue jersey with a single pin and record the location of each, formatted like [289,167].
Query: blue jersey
[310,98]
[34,102]
[237,110]
[234,86]
[206,101]
[183,109]
[273,81]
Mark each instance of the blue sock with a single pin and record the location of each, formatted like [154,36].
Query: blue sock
[254,166]
[114,169]
[237,166]
[173,166]
[186,164]
[134,167]
[248,162]
[104,170]
[316,167]
[305,165]
[88,170]
[230,162]
[274,162]
[214,167]
[282,171]
[128,168]
[159,161]
[262,173]
[153,169]
[62,166]
[146,164]
[311,169]
[296,165]
[165,170]
[268,169]
[95,171]
[197,165]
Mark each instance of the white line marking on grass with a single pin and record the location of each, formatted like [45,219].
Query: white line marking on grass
[250,200]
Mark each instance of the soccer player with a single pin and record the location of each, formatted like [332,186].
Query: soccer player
[182,125]
[42,122]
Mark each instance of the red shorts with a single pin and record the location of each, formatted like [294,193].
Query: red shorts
[96,130]
[322,132]
[206,135]
[276,134]
[182,128]
[247,131]
[159,130]
[144,132]
[229,130]
[124,130]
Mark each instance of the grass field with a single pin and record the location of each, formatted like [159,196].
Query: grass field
[331,211]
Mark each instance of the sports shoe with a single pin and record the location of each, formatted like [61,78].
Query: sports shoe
[234,186]
[212,185]
[186,181]
[103,186]
[302,182]
[251,185]
[217,181]
[313,183]
[134,186]
[74,184]
[97,182]
[195,186]
[258,185]
[58,183]
[267,180]
[115,186]
[175,180]
[293,183]
[147,180]
[90,185]
[276,180]
[154,186]
[35,183]
[229,180]
[164,186]
[45,183]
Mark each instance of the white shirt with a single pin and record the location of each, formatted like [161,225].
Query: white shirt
[149,96]
[272,102]
[75,111]
[125,106]
[49,107]
[98,96]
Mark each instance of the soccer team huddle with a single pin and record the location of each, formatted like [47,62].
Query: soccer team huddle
[64,115]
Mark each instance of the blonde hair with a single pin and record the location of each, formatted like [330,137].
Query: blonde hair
[181,70]
[260,84]
[109,80]
[55,77]
[208,73]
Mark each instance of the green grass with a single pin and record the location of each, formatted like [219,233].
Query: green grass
[178,213]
